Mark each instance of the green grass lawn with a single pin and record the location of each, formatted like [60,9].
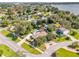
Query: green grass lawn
[30,49]
[76,34]
[65,53]
[6,51]
[61,39]
[10,35]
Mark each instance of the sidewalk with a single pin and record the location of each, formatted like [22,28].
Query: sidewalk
[70,49]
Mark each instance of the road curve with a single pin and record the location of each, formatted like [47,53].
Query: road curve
[15,47]
[54,48]
[12,45]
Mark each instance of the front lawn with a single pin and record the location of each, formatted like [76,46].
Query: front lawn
[75,34]
[62,39]
[65,53]
[30,49]
[9,35]
[6,51]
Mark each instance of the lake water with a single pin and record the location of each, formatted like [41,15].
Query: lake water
[74,8]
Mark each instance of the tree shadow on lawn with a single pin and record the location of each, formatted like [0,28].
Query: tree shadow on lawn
[12,36]
[53,55]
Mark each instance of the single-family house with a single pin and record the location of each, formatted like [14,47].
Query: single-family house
[39,33]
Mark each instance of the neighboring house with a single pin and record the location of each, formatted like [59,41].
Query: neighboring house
[39,13]
[62,30]
[12,28]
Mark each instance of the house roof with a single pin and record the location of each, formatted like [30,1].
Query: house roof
[39,33]
[63,29]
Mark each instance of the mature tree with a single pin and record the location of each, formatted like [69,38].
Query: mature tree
[49,20]
[50,28]
[50,36]
[5,23]
[67,38]
[74,45]
[72,33]
[41,40]
[23,27]
[1,52]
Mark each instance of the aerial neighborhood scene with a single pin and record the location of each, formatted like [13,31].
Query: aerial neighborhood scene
[39,29]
